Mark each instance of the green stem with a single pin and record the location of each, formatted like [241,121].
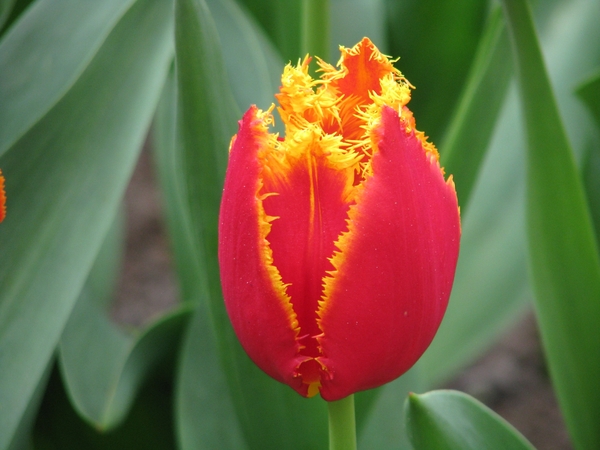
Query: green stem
[315,28]
[342,425]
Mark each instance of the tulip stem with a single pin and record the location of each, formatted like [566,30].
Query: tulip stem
[342,424]
[315,28]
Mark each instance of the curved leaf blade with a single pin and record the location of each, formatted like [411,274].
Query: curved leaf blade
[245,46]
[6,7]
[205,412]
[438,64]
[102,367]
[64,181]
[564,261]
[452,420]
[589,92]
[207,117]
[281,21]
[149,424]
[31,85]
[470,130]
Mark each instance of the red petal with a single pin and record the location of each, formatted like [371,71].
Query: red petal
[311,209]
[395,270]
[261,316]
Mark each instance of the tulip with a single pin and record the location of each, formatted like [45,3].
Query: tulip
[338,242]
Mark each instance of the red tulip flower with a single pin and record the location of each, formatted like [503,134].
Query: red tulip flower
[338,242]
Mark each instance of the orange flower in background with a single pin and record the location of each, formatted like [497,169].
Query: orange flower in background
[2,198]
[337,242]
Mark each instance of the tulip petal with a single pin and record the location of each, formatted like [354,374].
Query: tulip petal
[260,312]
[394,271]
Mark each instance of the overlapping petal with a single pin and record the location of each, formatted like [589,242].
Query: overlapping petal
[338,242]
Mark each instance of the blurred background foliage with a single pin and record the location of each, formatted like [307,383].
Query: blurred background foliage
[82,86]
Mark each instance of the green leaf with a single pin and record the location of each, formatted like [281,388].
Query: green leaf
[205,412]
[170,169]
[208,117]
[591,180]
[6,7]
[22,436]
[589,92]
[563,253]
[102,366]
[31,85]
[445,420]
[64,180]
[149,425]
[491,285]
[246,46]
[436,42]
[470,130]
[281,21]
[207,122]
[483,303]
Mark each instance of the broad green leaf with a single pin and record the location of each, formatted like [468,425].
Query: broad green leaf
[281,21]
[491,285]
[102,366]
[13,9]
[40,62]
[64,180]
[148,426]
[6,7]
[436,42]
[22,436]
[452,420]
[589,92]
[591,180]
[205,412]
[470,130]
[170,170]
[253,64]
[563,253]
[207,122]
[207,116]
